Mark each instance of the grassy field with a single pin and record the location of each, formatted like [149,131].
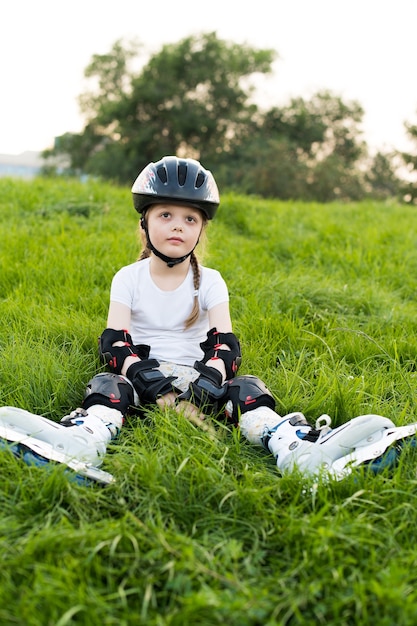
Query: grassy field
[201,529]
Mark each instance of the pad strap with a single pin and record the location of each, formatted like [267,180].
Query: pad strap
[231,358]
[207,391]
[114,356]
[148,381]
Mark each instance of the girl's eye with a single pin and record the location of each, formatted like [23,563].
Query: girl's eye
[165,214]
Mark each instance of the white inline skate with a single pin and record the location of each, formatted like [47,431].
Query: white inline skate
[79,441]
[370,440]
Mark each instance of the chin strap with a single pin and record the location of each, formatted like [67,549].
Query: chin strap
[170,261]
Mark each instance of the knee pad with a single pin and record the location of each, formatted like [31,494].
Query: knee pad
[109,390]
[245,393]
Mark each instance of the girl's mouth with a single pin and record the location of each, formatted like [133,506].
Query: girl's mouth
[176,240]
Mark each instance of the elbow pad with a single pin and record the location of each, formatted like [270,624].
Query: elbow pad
[231,358]
[114,356]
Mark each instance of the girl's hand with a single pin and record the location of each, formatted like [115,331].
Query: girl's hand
[189,410]
[167,400]
[196,417]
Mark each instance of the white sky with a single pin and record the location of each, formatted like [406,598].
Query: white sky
[363,50]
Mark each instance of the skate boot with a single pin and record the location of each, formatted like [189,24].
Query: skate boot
[335,452]
[79,441]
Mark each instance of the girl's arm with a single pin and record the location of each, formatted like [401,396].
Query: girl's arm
[207,388]
[219,318]
[118,318]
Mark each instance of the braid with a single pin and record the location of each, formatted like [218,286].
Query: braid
[144,254]
[145,249]
[196,279]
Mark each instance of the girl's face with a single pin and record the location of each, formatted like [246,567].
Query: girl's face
[174,229]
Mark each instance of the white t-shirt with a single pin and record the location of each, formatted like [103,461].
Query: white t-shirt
[158,316]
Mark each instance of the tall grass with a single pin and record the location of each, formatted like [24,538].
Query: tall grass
[201,529]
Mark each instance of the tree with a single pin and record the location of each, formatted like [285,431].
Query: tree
[194,98]
[410,160]
[381,177]
[309,149]
[268,167]
[334,157]
[189,98]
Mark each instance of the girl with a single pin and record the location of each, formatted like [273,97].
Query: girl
[169,330]
[169,338]
[169,341]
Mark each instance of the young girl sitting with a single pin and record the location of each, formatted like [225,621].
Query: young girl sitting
[169,341]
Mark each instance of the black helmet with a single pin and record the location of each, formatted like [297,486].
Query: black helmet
[176,181]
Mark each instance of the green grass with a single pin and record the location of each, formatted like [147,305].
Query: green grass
[202,530]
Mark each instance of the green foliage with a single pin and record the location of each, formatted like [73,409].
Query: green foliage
[200,528]
[384,183]
[410,161]
[196,98]
[188,95]
[308,150]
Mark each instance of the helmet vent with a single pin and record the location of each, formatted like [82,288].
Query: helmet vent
[162,173]
[182,174]
[200,179]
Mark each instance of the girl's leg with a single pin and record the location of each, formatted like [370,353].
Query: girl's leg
[80,439]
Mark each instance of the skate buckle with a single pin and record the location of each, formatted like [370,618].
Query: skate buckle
[323,423]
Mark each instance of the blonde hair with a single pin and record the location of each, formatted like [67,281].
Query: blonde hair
[195,266]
